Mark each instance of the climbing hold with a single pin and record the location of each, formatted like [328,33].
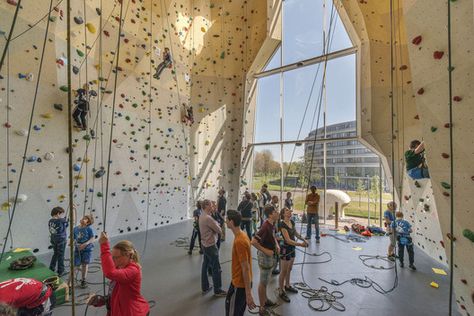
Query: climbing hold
[21,132]
[438,54]
[7,125]
[64,88]
[446,194]
[76,167]
[100,172]
[21,198]
[457,99]
[90,27]
[403,67]
[417,40]
[442,243]
[444,155]
[434,284]
[80,52]
[203,29]
[47,115]
[417,117]
[98,11]
[78,20]
[469,234]
[421,91]
[451,237]
[447,125]
[99,194]
[6,206]
[49,156]
[75,70]
[12,2]
[37,128]
[464,281]
[222,56]
[446,185]
[58,106]
[86,137]
[433,129]
[147,146]
[79,177]
[31,159]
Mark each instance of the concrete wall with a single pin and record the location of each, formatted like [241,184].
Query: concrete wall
[212,43]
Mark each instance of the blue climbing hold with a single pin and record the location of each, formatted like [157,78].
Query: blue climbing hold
[76,167]
[36,128]
[32,159]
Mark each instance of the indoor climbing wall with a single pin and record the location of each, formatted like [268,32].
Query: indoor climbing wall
[428,52]
[159,163]
[420,111]
[234,32]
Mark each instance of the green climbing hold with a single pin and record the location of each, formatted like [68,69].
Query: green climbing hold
[135,105]
[64,88]
[469,234]
[86,137]
[80,52]
[147,146]
[433,129]
[222,55]
[52,19]
[99,194]
[446,185]
[127,118]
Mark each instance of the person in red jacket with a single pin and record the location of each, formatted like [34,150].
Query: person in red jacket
[122,268]
[29,296]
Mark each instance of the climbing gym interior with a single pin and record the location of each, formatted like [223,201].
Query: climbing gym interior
[129,112]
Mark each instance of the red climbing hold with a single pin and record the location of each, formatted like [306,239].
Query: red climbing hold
[12,2]
[417,117]
[417,40]
[446,194]
[404,67]
[457,98]
[421,91]
[7,125]
[438,54]
[447,125]
[464,281]
[442,243]
[106,33]
[445,155]
[472,178]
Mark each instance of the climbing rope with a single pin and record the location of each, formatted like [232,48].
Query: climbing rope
[451,154]
[7,169]
[9,39]
[71,189]
[367,258]
[325,299]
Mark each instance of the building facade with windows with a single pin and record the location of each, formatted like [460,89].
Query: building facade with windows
[347,161]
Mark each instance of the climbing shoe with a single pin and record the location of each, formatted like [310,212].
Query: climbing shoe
[291,289]
[411,266]
[220,293]
[402,265]
[207,290]
[269,304]
[83,284]
[283,296]
[190,252]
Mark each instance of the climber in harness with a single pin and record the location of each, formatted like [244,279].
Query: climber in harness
[29,296]
[415,161]
[167,62]
[82,108]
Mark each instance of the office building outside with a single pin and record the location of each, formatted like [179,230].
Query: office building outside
[347,160]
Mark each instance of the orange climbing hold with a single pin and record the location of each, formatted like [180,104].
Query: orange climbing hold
[444,155]
[457,98]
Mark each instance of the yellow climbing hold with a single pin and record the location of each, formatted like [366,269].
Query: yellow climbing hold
[434,284]
[47,115]
[6,206]
[91,28]
[50,186]
[86,160]
[207,142]
[439,271]
[203,29]
[79,177]
[201,109]
[61,197]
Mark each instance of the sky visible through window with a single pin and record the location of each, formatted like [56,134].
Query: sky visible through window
[303,39]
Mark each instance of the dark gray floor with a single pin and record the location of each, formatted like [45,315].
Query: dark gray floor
[172,279]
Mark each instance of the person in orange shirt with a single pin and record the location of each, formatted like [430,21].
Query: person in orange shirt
[240,289]
[312,202]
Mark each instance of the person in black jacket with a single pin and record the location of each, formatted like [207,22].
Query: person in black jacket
[245,209]
[82,108]
[221,209]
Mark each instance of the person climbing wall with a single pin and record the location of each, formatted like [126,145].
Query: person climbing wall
[415,160]
[82,108]
[167,62]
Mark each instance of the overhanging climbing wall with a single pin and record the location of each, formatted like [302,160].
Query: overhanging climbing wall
[211,42]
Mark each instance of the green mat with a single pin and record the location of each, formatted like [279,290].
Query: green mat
[38,271]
